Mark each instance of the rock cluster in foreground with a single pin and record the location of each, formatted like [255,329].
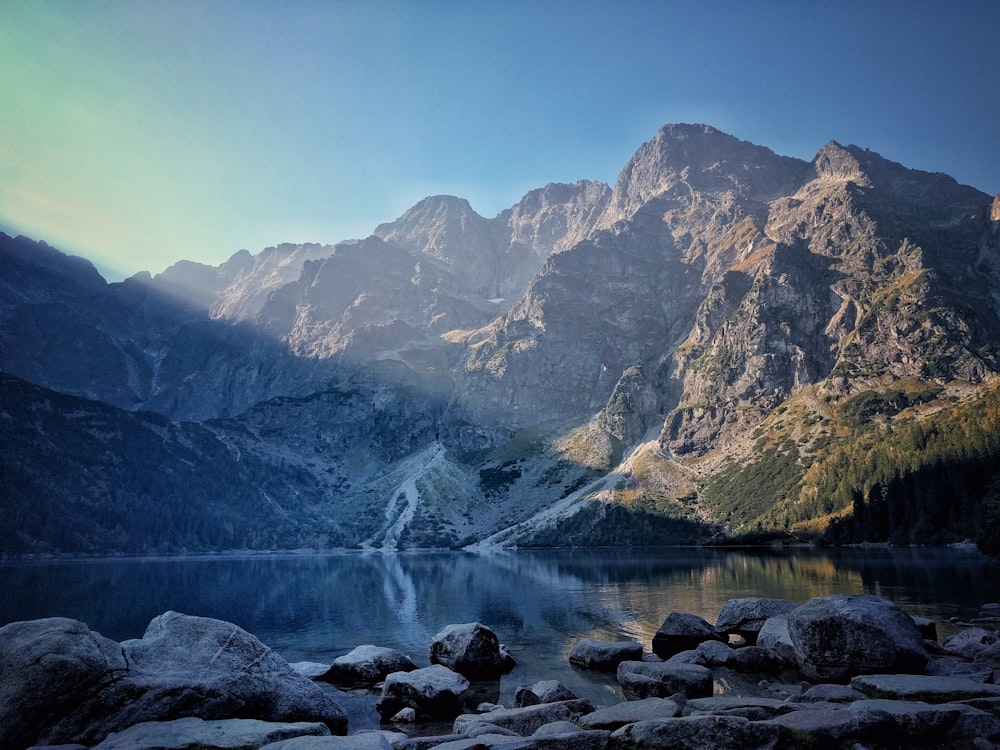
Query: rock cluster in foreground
[851,672]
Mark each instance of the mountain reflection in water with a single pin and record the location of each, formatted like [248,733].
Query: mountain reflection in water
[540,603]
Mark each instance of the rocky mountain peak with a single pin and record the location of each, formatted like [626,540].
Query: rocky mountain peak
[683,159]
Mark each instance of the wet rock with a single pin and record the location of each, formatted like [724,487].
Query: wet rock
[839,636]
[927,628]
[629,712]
[472,650]
[434,692]
[745,617]
[223,734]
[367,665]
[603,656]
[682,631]
[651,680]
[698,733]
[310,669]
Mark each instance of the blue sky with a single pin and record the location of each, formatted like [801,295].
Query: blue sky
[137,133]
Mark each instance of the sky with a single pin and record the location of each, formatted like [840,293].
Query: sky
[137,133]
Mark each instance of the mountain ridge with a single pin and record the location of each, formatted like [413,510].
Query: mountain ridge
[630,348]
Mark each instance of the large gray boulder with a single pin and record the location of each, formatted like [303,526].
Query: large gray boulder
[926,688]
[367,665]
[472,650]
[642,679]
[183,666]
[744,617]
[47,669]
[682,631]
[434,692]
[604,656]
[837,637]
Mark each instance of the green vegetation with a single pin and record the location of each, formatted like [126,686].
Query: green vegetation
[923,475]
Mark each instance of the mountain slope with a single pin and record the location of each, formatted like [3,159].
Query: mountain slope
[700,347]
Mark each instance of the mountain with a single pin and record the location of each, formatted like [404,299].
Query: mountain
[727,342]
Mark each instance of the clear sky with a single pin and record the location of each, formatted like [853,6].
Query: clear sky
[140,132]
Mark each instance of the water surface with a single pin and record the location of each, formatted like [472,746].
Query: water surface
[318,607]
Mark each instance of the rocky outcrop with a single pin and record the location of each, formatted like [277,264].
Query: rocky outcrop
[434,692]
[63,683]
[681,631]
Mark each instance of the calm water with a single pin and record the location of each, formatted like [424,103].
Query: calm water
[318,607]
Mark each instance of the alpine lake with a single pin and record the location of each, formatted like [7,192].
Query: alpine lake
[316,607]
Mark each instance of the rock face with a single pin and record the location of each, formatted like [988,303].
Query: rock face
[837,637]
[80,687]
[717,289]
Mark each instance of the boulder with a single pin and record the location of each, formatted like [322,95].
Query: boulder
[927,628]
[524,721]
[682,631]
[545,691]
[707,654]
[604,656]
[774,635]
[434,692]
[183,666]
[834,726]
[745,617]
[367,665]
[220,734]
[629,712]
[47,668]
[472,650]
[839,636]
[970,642]
[640,679]
[698,733]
